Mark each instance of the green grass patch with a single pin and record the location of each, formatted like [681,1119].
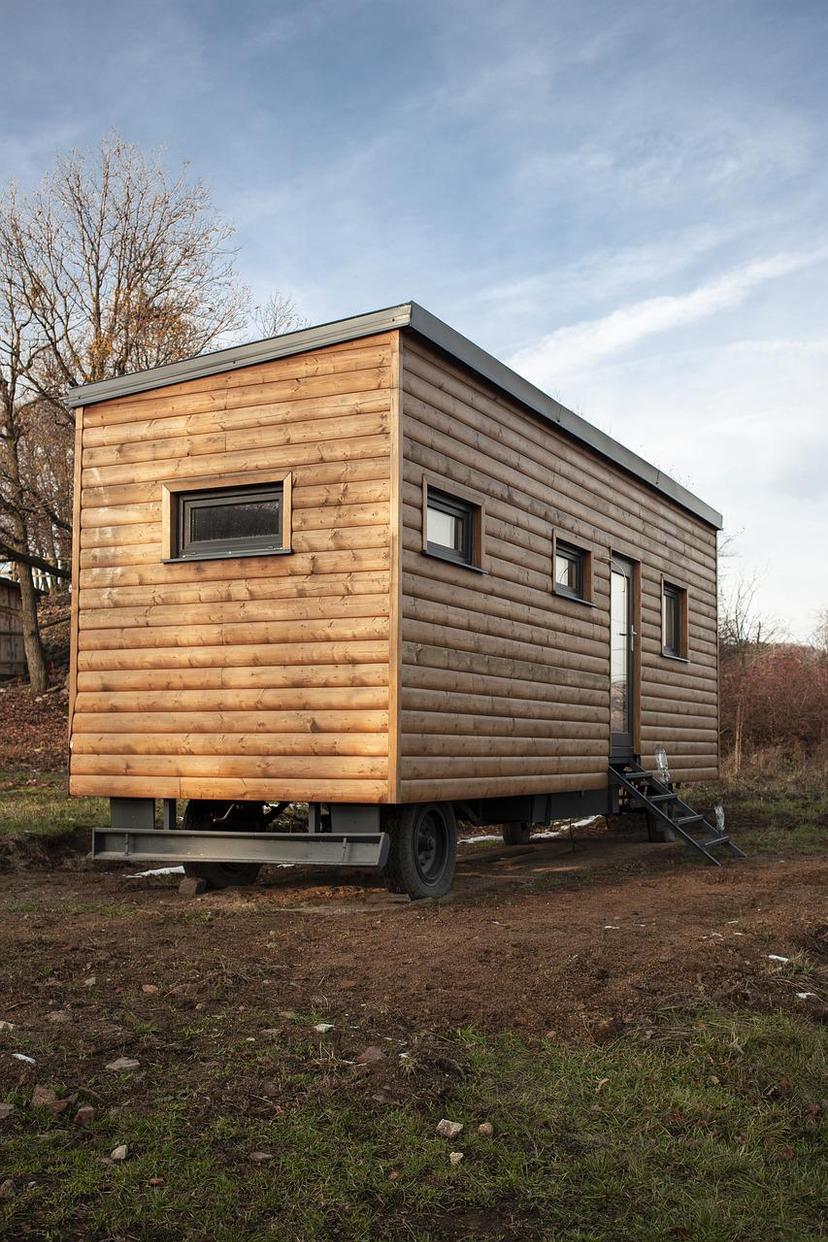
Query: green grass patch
[39,805]
[711,1131]
[770,823]
[786,825]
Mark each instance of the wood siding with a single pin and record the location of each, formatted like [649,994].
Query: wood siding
[266,677]
[12,652]
[356,668]
[505,685]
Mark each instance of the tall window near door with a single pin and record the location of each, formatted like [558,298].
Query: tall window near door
[674,621]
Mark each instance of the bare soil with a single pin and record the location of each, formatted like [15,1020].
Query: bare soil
[573,939]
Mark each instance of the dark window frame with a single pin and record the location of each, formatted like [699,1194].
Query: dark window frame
[467,552]
[674,597]
[186,549]
[582,557]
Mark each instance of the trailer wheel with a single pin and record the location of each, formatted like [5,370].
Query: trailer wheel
[516,834]
[202,816]
[423,852]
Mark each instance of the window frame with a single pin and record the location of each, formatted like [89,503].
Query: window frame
[457,501]
[176,493]
[574,551]
[676,592]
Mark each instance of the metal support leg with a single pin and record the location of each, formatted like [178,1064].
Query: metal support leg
[168,814]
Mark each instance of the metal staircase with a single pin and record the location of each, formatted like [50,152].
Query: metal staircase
[645,791]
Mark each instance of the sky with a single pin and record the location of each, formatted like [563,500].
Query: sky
[626,202]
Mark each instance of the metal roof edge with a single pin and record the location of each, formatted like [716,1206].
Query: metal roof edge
[333,333]
[415,317]
[509,381]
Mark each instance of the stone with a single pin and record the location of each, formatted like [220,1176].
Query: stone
[120,1153]
[259,1157]
[60,1015]
[192,886]
[322,1028]
[455,1157]
[449,1129]
[91,981]
[149,989]
[6,1189]
[6,1110]
[123,1063]
[156,1181]
[43,1097]
[370,1055]
[85,1115]
[6,1026]
[485,1129]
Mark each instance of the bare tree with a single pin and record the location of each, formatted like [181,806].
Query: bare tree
[112,265]
[277,315]
[820,636]
[18,354]
[743,635]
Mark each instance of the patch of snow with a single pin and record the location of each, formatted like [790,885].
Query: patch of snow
[140,875]
[804,995]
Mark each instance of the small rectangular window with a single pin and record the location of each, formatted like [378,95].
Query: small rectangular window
[232,521]
[673,618]
[570,570]
[450,527]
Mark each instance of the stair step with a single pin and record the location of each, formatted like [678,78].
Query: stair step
[637,786]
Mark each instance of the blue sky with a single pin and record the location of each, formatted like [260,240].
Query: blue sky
[628,202]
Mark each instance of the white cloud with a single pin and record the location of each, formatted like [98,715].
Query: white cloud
[743,425]
[571,348]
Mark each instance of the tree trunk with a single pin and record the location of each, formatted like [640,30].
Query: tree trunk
[32,643]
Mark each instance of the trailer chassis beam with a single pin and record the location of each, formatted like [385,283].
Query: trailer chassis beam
[323,849]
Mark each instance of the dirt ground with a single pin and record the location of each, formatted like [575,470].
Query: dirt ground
[579,939]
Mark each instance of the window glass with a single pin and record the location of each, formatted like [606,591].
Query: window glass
[444,528]
[671,620]
[229,521]
[235,519]
[450,526]
[569,570]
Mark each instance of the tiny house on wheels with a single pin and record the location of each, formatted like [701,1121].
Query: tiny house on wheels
[367,568]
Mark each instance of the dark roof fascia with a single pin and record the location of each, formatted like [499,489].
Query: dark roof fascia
[301,341]
[414,317]
[504,378]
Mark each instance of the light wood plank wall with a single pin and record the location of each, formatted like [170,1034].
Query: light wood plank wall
[257,678]
[505,685]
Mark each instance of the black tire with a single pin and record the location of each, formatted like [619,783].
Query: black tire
[423,853]
[202,816]
[516,834]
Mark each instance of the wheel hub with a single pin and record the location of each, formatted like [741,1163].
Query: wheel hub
[431,848]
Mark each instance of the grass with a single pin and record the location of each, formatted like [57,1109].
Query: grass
[771,823]
[711,1131]
[39,805]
